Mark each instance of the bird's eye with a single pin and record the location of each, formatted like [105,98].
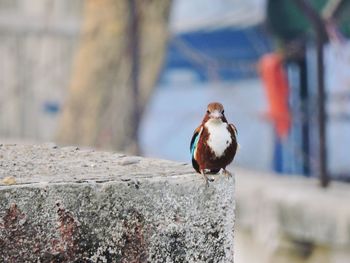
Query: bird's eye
[223,112]
[208,112]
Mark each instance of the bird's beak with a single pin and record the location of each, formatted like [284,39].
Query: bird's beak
[216,115]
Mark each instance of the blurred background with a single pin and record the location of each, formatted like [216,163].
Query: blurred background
[136,76]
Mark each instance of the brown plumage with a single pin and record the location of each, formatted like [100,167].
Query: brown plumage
[214,142]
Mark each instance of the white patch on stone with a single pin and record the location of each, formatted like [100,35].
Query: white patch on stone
[219,136]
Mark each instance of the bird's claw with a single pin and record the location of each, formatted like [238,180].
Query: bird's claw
[227,173]
[207,179]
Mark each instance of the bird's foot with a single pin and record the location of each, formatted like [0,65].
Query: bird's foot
[206,178]
[210,178]
[227,173]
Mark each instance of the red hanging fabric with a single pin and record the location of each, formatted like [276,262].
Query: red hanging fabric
[276,88]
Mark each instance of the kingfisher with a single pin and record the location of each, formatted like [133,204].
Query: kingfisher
[214,143]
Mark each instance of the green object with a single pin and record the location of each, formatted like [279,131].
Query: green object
[343,19]
[286,21]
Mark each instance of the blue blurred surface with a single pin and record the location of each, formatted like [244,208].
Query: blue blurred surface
[229,53]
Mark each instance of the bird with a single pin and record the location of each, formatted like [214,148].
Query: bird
[214,143]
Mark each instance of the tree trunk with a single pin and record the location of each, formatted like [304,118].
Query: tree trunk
[100,110]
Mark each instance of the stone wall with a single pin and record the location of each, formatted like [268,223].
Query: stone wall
[72,205]
[291,219]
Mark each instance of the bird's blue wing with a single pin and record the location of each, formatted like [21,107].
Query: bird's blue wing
[194,140]
[194,144]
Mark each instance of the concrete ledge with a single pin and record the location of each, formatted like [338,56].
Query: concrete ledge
[71,205]
[293,212]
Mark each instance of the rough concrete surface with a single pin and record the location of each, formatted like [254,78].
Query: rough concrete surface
[72,205]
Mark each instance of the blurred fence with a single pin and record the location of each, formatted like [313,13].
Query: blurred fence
[37,39]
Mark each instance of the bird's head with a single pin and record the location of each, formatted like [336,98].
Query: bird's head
[215,112]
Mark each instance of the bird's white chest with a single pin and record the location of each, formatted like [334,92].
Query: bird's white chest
[219,137]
